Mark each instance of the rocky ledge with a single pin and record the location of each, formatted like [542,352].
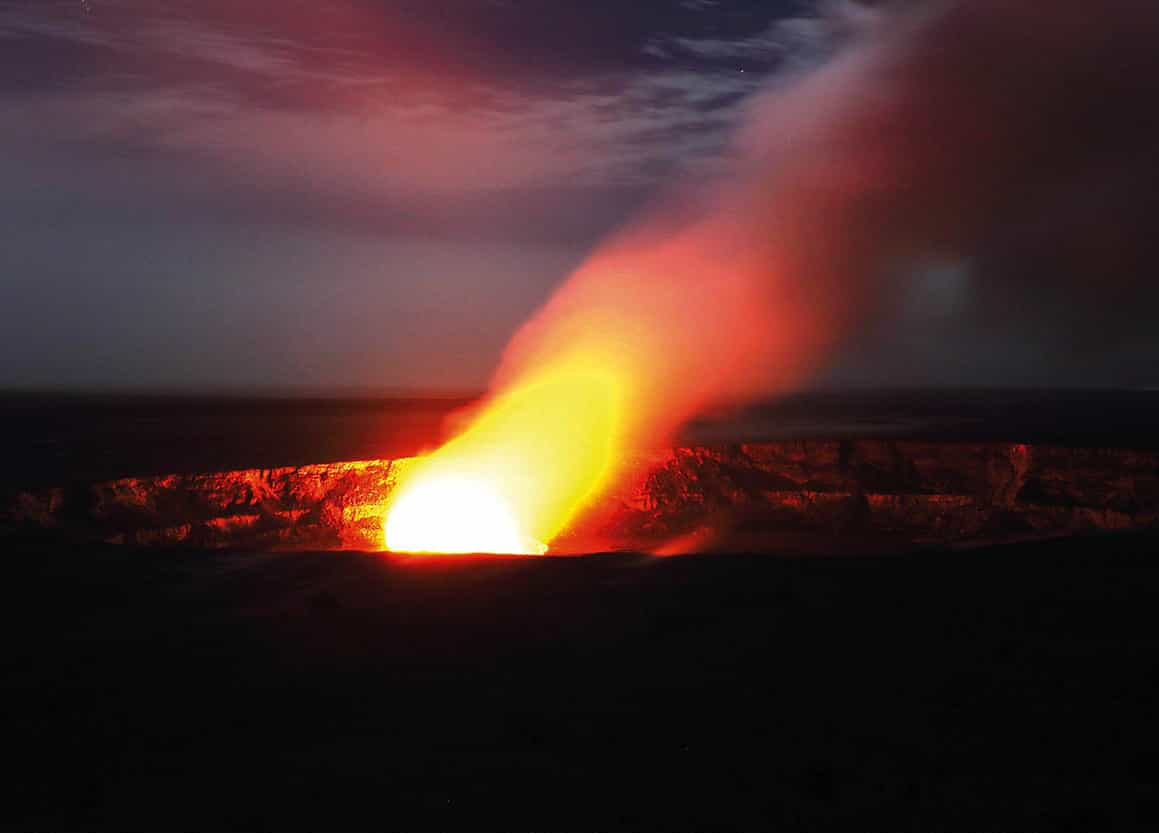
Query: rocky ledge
[916,491]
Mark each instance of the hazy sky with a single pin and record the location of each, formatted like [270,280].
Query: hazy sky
[341,193]
[377,192]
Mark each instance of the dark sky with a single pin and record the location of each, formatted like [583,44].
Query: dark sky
[375,193]
[211,192]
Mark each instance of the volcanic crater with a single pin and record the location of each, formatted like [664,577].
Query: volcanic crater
[816,494]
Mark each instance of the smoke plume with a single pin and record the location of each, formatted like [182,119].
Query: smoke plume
[1015,137]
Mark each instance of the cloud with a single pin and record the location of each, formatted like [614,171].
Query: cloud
[208,190]
[792,42]
[316,120]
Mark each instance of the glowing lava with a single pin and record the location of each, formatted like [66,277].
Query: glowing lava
[633,344]
[455,515]
[518,475]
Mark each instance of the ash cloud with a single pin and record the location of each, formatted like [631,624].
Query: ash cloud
[1017,139]
[1008,144]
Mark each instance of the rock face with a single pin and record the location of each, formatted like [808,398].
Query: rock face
[332,505]
[913,490]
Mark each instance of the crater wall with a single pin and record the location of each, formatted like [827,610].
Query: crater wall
[918,491]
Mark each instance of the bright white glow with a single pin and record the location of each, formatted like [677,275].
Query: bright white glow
[450,514]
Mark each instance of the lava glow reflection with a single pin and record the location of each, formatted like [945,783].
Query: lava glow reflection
[513,480]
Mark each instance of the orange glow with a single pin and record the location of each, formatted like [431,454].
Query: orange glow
[644,334]
[509,484]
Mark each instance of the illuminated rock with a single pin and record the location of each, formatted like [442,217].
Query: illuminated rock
[913,490]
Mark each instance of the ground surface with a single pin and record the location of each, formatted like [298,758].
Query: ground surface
[998,688]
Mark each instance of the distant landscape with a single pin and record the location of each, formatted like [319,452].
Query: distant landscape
[50,438]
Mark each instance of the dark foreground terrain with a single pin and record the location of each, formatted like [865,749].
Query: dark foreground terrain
[998,688]
[1004,687]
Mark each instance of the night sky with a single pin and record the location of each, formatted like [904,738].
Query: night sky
[211,193]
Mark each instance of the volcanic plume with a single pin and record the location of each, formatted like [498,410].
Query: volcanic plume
[942,131]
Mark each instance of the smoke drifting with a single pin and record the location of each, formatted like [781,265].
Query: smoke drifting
[1016,136]
[1013,137]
